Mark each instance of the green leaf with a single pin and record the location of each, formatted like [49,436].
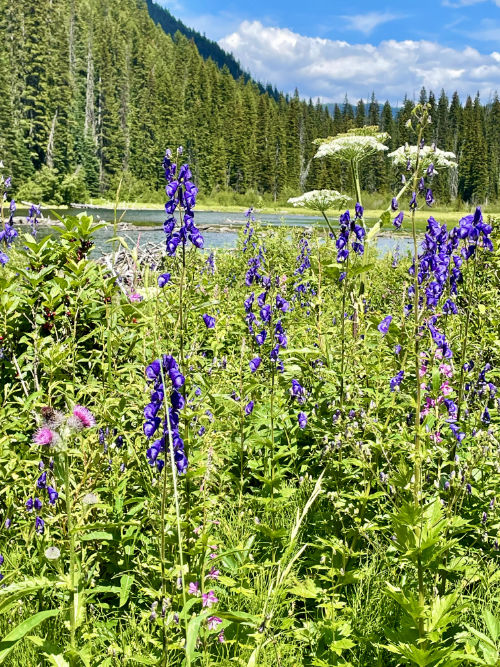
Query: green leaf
[10,640]
[493,624]
[12,593]
[193,630]
[98,535]
[126,582]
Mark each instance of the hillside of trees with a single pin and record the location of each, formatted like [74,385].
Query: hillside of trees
[94,91]
[206,47]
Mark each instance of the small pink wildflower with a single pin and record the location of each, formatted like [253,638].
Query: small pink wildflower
[221,637]
[446,370]
[135,297]
[436,437]
[213,574]
[213,622]
[198,529]
[44,436]
[84,418]
[446,390]
[438,354]
[194,588]
[423,386]
[422,371]
[209,599]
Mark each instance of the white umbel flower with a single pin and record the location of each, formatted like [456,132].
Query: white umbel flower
[428,155]
[320,200]
[356,144]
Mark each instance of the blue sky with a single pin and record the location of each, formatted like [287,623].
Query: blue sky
[328,49]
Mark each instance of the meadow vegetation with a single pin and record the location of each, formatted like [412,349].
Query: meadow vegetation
[283,454]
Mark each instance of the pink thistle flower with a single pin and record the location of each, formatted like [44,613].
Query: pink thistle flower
[194,588]
[209,599]
[213,574]
[446,370]
[45,436]
[83,417]
[213,622]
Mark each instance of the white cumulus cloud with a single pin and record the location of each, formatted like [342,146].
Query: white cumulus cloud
[331,68]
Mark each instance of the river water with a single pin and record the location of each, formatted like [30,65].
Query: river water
[219,229]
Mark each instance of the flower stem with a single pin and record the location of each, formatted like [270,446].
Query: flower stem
[343,345]
[72,556]
[470,293]
[418,449]
[332,231]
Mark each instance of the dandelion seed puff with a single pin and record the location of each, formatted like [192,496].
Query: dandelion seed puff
[90,499]
[52,553]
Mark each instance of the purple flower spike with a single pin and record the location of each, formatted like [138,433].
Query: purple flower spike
[302,419]
[249,408]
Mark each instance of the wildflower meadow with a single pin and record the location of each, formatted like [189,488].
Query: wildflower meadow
[281,454]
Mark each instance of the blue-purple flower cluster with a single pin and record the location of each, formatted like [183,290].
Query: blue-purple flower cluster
[303,288]
[348,226]
[8,233]
[157,373]
[248,232]
[441,258]
[182,195]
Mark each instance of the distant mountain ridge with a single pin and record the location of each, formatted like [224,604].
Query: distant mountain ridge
[206,47]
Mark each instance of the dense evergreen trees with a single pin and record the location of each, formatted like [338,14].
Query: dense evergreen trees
[93,91]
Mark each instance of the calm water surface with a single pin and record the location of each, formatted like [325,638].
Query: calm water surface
[220,229]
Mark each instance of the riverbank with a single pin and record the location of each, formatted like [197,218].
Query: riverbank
[441,213]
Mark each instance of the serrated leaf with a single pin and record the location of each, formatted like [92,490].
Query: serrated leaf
[10,640]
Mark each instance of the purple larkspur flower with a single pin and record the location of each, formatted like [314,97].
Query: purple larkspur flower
[261,337]
[394,204]
[254,364]
[39,525]
[249,408]
[163,279]
[302,419]
[53,495]
[396,380]
[383,327]
[209,321]
[398,220]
